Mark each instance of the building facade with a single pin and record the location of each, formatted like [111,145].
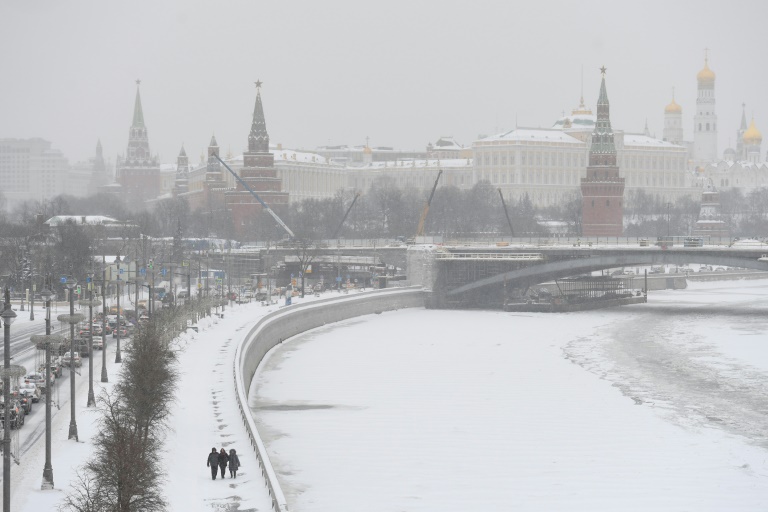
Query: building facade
[31,169]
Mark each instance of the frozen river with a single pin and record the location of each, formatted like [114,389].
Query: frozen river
[661,406]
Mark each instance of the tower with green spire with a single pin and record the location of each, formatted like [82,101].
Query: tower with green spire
[138,171]
[259,173]
[602,190]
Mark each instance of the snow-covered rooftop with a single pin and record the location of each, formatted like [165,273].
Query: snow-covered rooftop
[632,139]
[93,220]
[534,135]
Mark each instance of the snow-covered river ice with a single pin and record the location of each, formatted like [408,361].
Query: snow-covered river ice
[660,406]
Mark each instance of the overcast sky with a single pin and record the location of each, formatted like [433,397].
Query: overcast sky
[401,72]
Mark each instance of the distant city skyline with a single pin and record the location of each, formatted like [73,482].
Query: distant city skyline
[337,73]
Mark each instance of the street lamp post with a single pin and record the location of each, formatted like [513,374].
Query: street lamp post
[118,356]
[49,341]
[8,317]
[32,303]
[669,205]
[72,319]
[90,303]
[104,376]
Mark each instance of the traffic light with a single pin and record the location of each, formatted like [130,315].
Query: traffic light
[151,264]
[77,290]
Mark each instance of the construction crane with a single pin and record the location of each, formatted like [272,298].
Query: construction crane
[254,194]
[335,233]
[511,230]
[420,229]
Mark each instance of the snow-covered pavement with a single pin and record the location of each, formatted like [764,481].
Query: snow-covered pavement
[205,415]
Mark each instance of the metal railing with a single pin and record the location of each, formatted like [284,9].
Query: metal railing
[276,327]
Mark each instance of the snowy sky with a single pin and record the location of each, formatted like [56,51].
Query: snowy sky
[401,72]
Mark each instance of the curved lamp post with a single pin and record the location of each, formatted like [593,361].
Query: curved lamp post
[9,371]
[50,342]
[72,319]
[90,303]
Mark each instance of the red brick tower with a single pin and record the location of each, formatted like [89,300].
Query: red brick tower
[259,173]
[138,171]
[603,189]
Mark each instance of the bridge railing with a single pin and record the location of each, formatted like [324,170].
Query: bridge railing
[580,241]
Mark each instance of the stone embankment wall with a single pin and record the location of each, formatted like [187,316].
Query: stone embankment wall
[289,321]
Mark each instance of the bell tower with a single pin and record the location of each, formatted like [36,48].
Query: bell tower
[705,119]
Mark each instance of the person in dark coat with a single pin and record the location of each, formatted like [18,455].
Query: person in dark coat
[223,460]
[213,462]
[234,463]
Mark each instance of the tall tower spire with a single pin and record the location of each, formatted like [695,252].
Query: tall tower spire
[138,113]
[258,139]
[602,190]
[705,119]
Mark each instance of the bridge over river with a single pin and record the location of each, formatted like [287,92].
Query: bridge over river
[482,276]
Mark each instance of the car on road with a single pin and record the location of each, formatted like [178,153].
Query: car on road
[31,390]
[67,360]
[25,401]
[122,330]
[98,344]
[39,378]
[97,329]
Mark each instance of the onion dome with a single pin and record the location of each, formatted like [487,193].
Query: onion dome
[706,75]
[752,135]
[673,108]
[367,150]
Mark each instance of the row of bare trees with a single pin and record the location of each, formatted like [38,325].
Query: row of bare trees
[125,472]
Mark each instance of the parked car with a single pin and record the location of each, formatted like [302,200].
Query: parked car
[83,348]
[31,390]
[66,360]
[39,378]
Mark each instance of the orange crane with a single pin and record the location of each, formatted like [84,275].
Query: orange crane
[420,229]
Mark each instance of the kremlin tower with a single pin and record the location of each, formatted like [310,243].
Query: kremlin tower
[603,189]
[705,120]
[259,173]
[181,185]
[138,172]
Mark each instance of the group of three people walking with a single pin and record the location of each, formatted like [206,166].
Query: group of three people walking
[221,459]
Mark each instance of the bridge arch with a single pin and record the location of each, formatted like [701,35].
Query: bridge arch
[539,273]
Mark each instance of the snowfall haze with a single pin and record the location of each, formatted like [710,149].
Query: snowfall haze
[401,73]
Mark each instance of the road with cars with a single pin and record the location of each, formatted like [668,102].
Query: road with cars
[25,354]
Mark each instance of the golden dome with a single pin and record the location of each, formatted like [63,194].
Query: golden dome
[752,135]
[367,150]
[706,74]
[673,108]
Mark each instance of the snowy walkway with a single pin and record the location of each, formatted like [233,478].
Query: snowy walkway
[205,415]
